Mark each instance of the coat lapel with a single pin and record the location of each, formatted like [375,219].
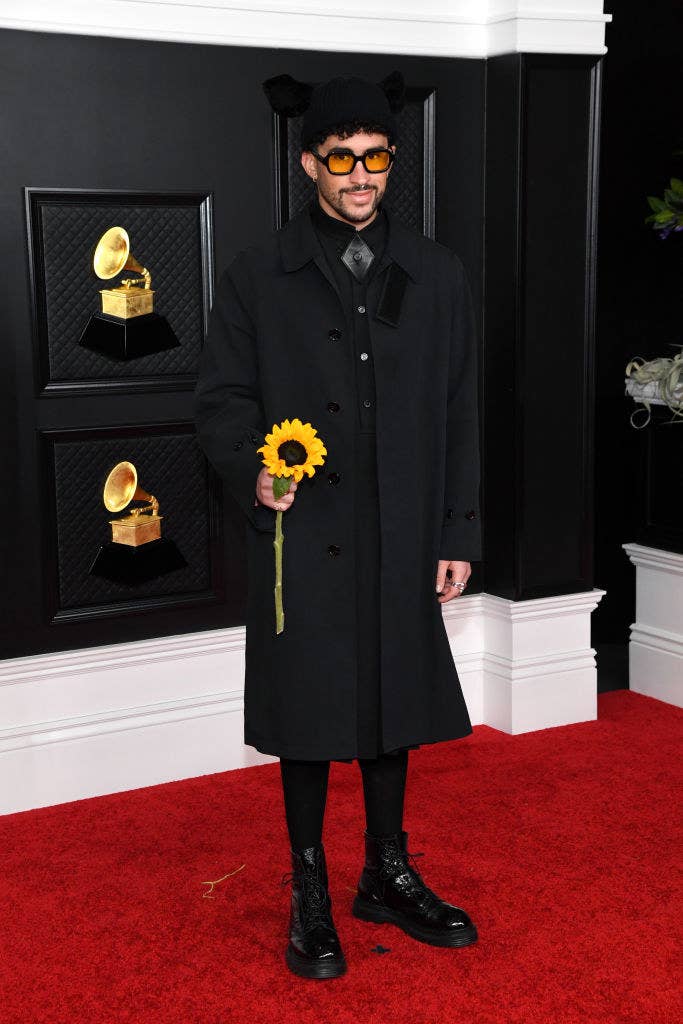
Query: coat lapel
[299,244]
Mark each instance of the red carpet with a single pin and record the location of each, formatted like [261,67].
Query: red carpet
[563,845]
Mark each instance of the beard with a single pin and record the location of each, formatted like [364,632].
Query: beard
[345,207]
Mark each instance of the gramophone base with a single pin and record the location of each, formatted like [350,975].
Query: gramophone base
[128,339]
[120,563]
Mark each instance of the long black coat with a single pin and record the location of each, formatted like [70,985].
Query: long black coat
[272,352]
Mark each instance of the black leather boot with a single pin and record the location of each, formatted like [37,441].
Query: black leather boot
[314,950]
[391,890]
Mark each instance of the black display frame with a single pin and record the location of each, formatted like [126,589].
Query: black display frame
[53,613]
[35,198]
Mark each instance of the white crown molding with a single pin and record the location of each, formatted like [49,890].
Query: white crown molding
[543,607]
[655,558]
[444,28]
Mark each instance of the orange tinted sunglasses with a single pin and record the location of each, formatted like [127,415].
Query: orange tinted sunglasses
[343,161]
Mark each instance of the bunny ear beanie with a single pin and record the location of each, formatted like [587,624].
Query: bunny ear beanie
[341,100]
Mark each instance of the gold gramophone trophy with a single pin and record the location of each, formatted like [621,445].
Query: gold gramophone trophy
[126,326]
[136,552]
[139,527]
[112,256]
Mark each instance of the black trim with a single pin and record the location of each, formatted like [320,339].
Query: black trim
[391,299]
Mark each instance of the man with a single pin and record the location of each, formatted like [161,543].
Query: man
[348,319]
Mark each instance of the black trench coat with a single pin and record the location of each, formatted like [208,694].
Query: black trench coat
[272,352]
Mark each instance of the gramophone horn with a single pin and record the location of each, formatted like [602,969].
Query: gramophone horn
[121,487]
[112,255]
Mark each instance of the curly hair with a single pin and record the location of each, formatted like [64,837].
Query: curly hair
[345,130]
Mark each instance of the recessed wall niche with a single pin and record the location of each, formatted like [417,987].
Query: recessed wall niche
[170,466]
[171,234]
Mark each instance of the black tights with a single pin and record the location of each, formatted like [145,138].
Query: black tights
[304,785]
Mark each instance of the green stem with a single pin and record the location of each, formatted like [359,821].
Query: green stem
[277,544]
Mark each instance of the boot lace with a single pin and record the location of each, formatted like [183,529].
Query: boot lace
[314,908]
[428,894]
[398,864]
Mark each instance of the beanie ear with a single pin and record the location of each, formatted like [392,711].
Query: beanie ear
[286,95]
[394,88]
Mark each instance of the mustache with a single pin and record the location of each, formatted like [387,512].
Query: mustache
[359,188]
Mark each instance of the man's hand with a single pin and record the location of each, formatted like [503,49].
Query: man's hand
[264,492]
[460,572]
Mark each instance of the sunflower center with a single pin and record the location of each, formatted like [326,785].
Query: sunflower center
[292,452]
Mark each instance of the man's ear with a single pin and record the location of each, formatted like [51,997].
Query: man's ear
[308,164]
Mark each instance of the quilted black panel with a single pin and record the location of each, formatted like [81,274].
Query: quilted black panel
[165,239]
[410,177]
[172,468]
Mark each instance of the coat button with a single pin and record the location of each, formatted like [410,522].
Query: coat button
[367,403]
[471,514]
[237,445]
[361,309]
[333,406]
[364,356]
[253,438]
[334,549]
[449,514]
[334,478]
[334,334]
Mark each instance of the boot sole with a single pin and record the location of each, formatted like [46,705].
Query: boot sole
[310,969]
[383,915]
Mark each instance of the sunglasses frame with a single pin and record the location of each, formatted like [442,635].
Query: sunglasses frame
[356,159]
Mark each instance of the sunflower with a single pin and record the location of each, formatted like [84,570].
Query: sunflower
[290,451]
[293,449]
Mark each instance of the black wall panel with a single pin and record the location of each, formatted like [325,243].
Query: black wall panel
[541,207]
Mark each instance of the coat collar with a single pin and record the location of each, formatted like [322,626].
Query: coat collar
[299,243]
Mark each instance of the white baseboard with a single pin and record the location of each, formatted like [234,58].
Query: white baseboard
[102,720]
[539,667]
[656,645]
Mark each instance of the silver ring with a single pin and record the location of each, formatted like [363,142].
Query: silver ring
[459,583]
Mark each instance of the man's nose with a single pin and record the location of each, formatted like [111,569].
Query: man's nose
[359,176]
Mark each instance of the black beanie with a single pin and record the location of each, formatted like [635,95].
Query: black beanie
[342,99]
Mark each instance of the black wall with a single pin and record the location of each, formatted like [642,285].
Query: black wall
[96,113]
[639,311]
[516,148]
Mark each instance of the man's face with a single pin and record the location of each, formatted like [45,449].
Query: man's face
[351,197]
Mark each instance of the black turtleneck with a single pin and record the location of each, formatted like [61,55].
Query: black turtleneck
[342,232]
[353,333]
